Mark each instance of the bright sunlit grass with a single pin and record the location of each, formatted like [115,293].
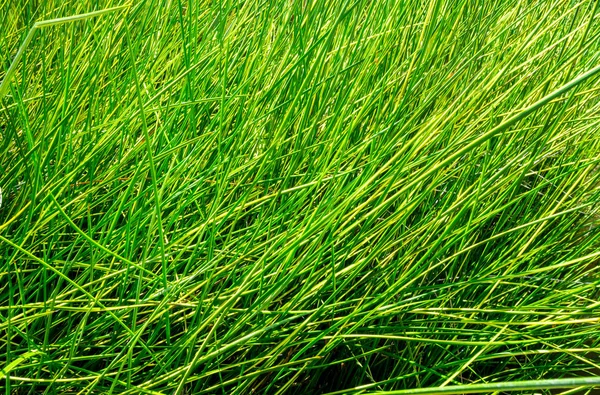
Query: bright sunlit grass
[299,196]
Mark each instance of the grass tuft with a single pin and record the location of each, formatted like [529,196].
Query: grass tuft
[392,197]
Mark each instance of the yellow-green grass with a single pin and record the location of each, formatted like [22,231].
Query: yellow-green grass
[299,196]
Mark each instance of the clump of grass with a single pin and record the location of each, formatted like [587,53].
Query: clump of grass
[299,196]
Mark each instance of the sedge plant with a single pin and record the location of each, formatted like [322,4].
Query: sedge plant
[299,196]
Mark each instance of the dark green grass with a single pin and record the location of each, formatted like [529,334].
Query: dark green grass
[299,196]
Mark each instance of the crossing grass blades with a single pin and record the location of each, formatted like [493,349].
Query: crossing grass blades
[299,196]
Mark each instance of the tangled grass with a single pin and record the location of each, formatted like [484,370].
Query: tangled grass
[299,196]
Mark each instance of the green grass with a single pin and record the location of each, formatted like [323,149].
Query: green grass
[292,197]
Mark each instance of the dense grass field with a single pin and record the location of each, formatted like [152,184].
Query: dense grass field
[299,196]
